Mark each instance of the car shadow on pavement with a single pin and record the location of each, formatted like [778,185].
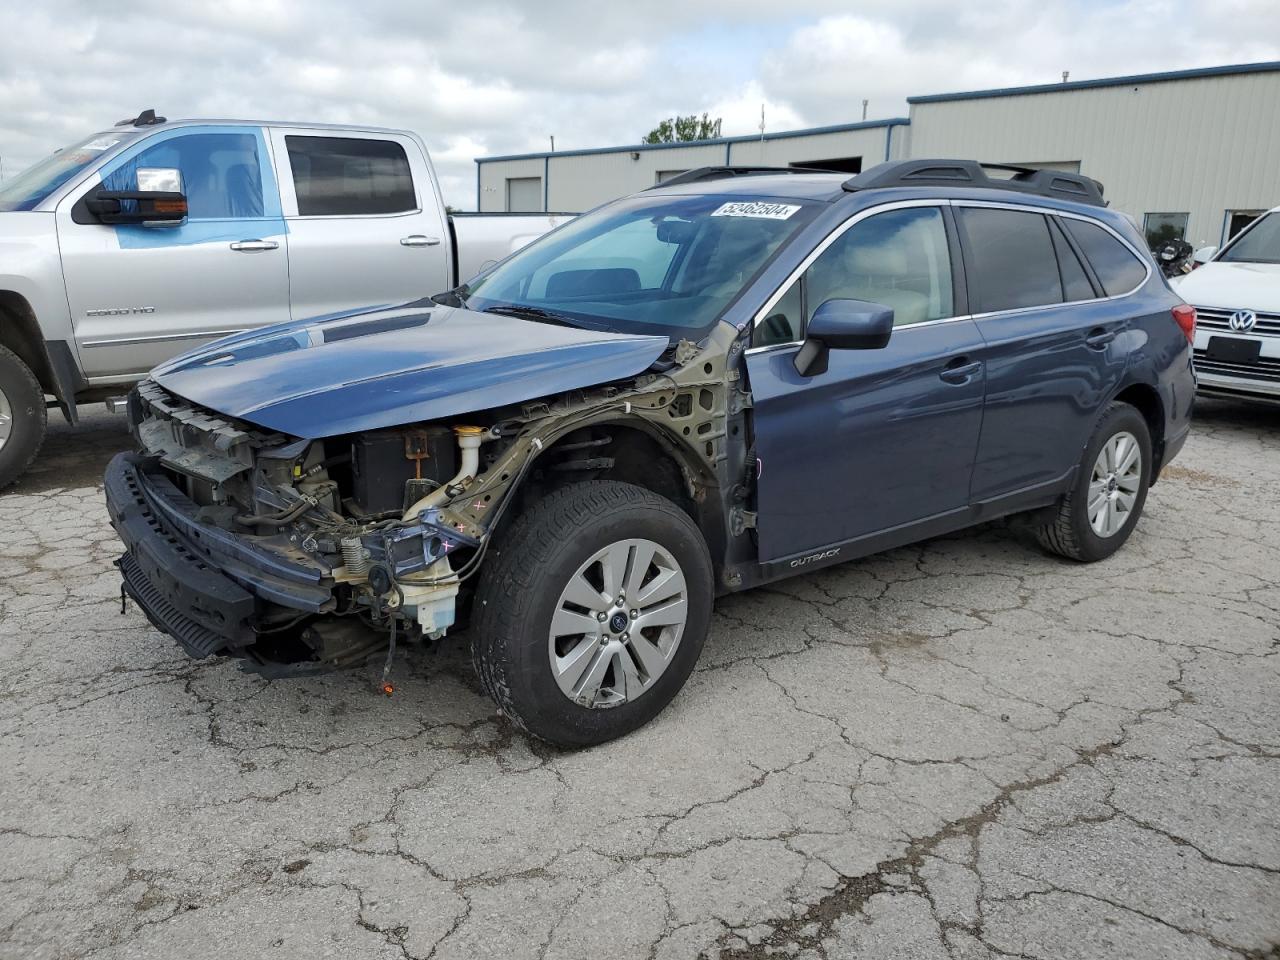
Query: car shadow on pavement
[1235,413]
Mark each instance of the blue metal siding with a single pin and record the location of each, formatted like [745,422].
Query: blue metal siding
[1138,78]
[641,147]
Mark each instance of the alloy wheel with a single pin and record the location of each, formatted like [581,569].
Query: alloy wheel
[618,623]
[6,419]
[1114,484]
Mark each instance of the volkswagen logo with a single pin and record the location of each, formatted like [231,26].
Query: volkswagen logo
[1242,321]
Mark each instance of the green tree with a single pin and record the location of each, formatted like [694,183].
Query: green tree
[684,130]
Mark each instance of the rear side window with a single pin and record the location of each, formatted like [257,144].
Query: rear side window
[1010,258]
[1114,264]
[1075,282]
[344,176]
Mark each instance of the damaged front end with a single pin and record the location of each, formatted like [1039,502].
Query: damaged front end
[319,553]
[248,543]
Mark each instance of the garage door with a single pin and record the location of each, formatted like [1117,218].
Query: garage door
[524,194]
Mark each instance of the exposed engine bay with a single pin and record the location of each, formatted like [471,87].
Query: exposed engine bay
[345,545]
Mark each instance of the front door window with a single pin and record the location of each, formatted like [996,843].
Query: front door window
[221,174]
[898,259]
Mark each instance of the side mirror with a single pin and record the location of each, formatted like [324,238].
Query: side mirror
[1204,254]
[158,201]
[843,325]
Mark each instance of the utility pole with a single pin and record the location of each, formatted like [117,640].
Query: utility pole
[762,123]
[553,143]
[864,109]
[1065,74]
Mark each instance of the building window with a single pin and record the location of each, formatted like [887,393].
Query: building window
[1237,220]
[524,194]
[836,164]
[664,175]
[1061,166]
[1160,228]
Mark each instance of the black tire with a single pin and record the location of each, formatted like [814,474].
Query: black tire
[1069,533]
[520,586]
[25,399]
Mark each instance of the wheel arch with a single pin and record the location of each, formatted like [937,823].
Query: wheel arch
[51,361]
[1145,398]
[643,454]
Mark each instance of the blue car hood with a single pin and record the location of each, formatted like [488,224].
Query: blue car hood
[390,366]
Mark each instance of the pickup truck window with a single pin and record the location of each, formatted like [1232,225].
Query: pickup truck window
[220,173]
[30,187]
[1259,244]
[346,176]
[664,265]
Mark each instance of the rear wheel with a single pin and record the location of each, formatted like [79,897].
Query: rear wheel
[1100,511]
[23,417]
[591,616]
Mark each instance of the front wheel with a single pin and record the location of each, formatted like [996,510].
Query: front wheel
[1103,505]
[593,612]
[23,417]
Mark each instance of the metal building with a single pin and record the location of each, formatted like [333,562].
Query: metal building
[576,180]
[1190,153]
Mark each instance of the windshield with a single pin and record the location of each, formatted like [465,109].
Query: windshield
[28,188]
[1260,243]
[664,265]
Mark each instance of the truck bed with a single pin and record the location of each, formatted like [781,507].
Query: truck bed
[482,239]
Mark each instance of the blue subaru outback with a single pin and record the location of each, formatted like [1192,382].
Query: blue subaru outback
[733,377]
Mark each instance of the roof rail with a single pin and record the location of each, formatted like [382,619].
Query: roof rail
[147,118]
[698,174]
[971,173]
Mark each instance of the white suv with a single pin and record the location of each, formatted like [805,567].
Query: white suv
[1236,293]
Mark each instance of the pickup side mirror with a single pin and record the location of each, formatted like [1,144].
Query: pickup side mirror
[158,201]
[1204,254]
[843,325]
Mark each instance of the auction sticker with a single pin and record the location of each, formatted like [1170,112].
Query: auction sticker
[761,211]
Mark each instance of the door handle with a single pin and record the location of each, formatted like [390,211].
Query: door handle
[960,371]
[418,240]
[250,245]
[1099,338]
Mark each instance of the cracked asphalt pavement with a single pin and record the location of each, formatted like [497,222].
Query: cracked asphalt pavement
[962,749]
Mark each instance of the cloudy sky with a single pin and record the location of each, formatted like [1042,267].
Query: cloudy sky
[485,77]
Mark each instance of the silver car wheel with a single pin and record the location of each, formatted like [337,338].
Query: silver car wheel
[6,419]
[618,623]
[1115,484]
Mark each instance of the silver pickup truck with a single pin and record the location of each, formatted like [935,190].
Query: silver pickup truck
[147,239]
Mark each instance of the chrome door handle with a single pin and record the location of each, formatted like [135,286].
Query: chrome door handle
[248,245]
[418,240]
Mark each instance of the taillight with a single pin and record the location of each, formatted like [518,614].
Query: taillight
[1185,316]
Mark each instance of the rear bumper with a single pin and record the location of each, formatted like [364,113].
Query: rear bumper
[202,585]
